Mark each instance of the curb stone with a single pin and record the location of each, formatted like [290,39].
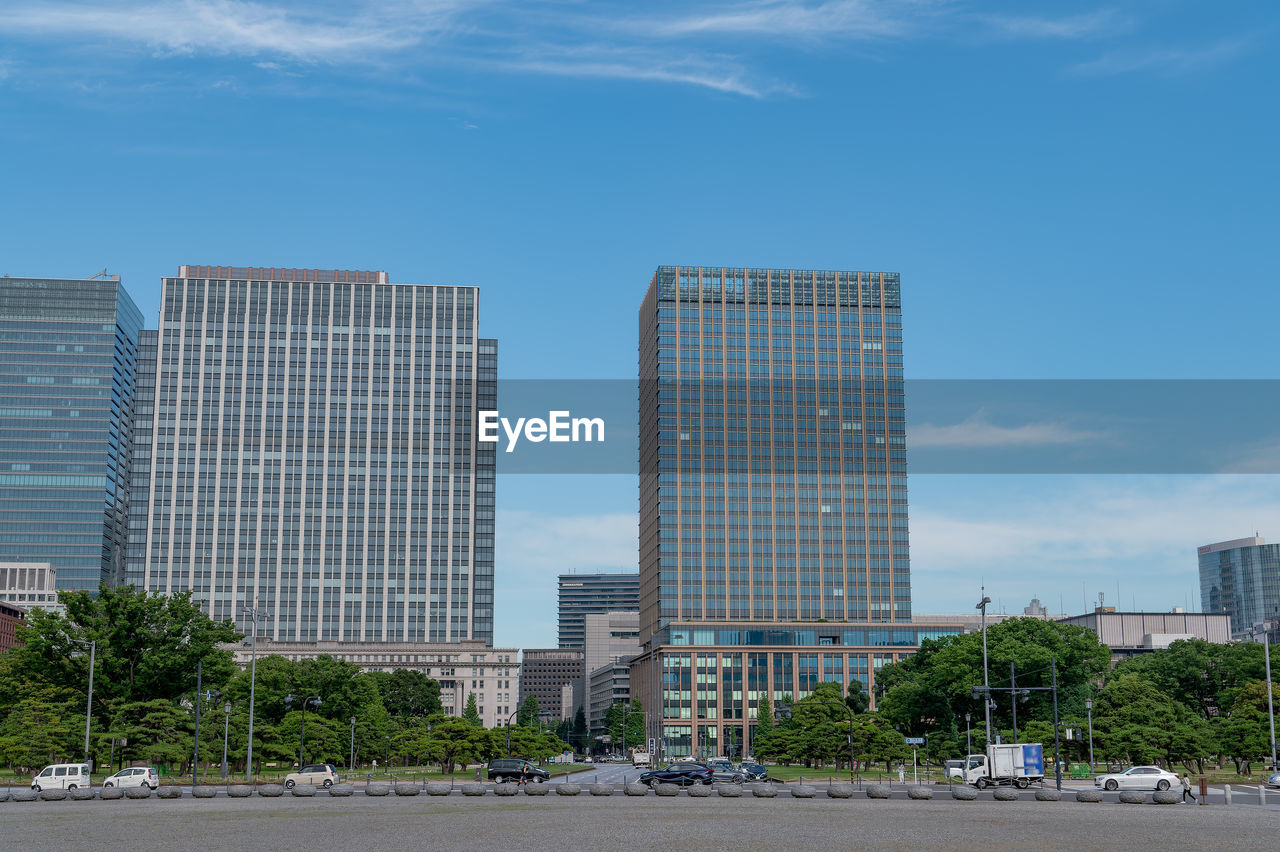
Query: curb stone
[635,788]
[803,791]
[473,789]
[1166,797]
[137,792]
[342,790]
[438,789]
[1005,794]
[964,794]
[1132,797]
[53,795]
[764,791]
[601,789]
[169,793]
[1046,794]
[204,791]
[919,792]
[700,791]
[666,789]
[303,790]
[878,791]
[80,794]
[271,791]
[377,789]
[239,791]
[1088,796]
[840,791]
[110,793]
[407,789]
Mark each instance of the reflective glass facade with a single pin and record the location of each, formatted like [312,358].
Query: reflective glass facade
[1242,579]
[310,443]
[68,361]
[773,494]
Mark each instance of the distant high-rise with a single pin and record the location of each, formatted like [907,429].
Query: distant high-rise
[68,361]
[773,494]
[1241,578]
[311,445]
[545,673]
[584,594]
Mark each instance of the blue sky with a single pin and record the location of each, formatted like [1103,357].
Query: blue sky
[1069,190]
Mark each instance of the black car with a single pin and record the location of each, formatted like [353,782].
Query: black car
[754,771]
[683,774]
[514,769]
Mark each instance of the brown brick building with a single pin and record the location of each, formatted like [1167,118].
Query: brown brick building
[10,617]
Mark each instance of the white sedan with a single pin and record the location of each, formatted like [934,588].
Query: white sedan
[1138,778]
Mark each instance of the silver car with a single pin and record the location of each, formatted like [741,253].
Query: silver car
[1138,778]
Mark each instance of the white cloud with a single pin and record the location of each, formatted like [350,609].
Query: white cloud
[1049,537]
[559,544]
[977,432]
[1168,60]
[855,19]
[1085,25]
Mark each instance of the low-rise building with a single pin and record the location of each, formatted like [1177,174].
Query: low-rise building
[30,585]
[461,668]
[607,685]
[1128,634]
[10,617]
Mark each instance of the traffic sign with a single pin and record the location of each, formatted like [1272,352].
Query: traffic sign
[913,740]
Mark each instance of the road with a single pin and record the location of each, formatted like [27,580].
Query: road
[626,823]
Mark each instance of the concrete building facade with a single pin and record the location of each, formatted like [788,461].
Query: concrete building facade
[30,585]
[544,674]
[11,617]
[582,594]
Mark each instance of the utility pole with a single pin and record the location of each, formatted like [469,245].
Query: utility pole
[1271,707]
[986,682]
[1057,761]
[254,614]
[1013,699]
[195,753]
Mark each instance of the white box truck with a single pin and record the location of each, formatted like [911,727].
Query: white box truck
[1018,764]
[640,759]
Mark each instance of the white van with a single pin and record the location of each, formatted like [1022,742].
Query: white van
[62,776]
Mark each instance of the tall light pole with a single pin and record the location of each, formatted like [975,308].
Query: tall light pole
[208,695]
[351,762]
[254,614]
[312,700]
[1271,707]
[226,726]
[88,707]
[509,718]
[986,683]
[968,739]
[1088,706]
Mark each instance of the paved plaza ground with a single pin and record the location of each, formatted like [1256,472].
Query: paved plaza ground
[618,822]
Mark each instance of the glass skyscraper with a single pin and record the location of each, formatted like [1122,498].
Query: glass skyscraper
[68,360]
[1241,578]
[773,494]
[310,445]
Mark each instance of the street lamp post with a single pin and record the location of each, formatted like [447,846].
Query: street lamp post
[1088,706]
[351,762]
[254,614]
[312,700]
[986,683]
[509,718]
[208,695]
[226,727]
[968,739]
[88,707]
[1271,707]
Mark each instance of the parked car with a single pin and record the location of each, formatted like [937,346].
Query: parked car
[722,770]
[754,771]
[62,776]
[1138,778]
[683,773]
[137,776]
[513,769]
[320,774]
[1273,780]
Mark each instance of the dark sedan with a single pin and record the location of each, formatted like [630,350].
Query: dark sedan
[754,771]
[683,774]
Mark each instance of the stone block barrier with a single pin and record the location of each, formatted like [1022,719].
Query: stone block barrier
[1132,797]
[379,788]
[601,789]
[635,788]
[1089,796]
[53,794]
[730,791]
[407,788]
[919,791]
[567,789]
[506,790]
[840,791]
[303,790]
[239,791]
[537,789]
[438,789]
[764,791]
[137,792]
[342,790]
[271,791]
[110,793]
[701,791]
[963,793]
[24,794]
[169,792]
[81,794]
[877,791]
[1048,794]
[1167,797]
[204,791]
[1005,794]
[803,791]
[666,789]
[4,794]
[473,788]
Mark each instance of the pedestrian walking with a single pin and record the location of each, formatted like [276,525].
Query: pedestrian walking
[902,774]
[1186,789]
[524,773]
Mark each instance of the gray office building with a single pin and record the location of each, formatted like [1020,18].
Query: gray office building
[310,445]
[68,362]
[1241,578]
[581,595]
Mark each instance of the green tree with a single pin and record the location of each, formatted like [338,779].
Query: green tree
[579,733]
[857,698]
[624,721]
[527,714]
[472,711]
[408,693]
[1202,676]
[157,731]
[451,741]
[39,729]
[1242,733]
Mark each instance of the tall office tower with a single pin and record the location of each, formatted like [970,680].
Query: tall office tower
[313,449]
[581,595]
[554,677]
[773,498]
[1241,578]
[68,361]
